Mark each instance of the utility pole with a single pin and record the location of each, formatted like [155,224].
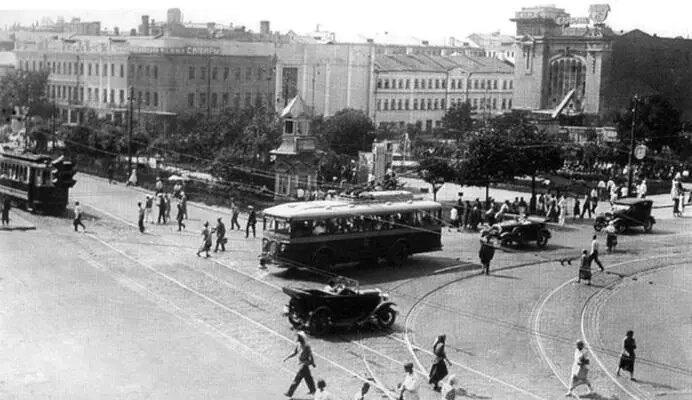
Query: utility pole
[129,126]
[208,87]
[629,162]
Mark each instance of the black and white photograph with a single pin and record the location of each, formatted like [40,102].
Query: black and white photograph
[345,200]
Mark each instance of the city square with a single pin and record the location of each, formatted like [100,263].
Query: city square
[324,171]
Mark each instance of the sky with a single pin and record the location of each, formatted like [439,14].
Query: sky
[432,20]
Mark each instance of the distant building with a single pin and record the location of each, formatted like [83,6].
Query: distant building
[75,26]
[418,89]
[8,62]
[495,45]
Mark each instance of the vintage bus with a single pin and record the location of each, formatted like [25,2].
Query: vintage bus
[36,182]
[363,228]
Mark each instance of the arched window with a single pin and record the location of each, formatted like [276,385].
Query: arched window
[565,74]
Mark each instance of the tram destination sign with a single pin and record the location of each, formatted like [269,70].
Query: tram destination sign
[185,50]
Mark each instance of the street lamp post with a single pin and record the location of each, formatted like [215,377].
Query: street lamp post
[630,170]
[130,123]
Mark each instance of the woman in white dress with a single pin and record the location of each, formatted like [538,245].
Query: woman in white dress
[408,390]
[580,371]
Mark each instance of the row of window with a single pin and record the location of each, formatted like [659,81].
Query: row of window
[439,104]
[78,68]
[491,84]
[103,95]
[217,73]
[224,100]
[14,172]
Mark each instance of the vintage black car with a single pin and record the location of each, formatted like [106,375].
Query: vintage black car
[520,231]
[318,311]
[627,213]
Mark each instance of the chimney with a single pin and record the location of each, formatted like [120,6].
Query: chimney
[133,32]
[369,40]
[264,28]
[116,31]
[425,43]
[145,25]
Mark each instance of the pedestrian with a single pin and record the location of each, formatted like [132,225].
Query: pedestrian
[220,235]
[183,201]
[676,194]
[360,395]
[594,200]
[140,216]
[206,240]
[577,207]
[305,360]
[179,216]
[77,221]
[234,218]
[6,205]
[109,173]
[159,185]
[585,268]
[454,217]
[161,203]
[580,370]
[251,222]
[587,206]
[594,252]
[408,389]
[641,191]
[439,367]
[504,209]
[486,253]
[132,180]
[322,394]
[521,207]
[177,188]
[449,388]
[627,357]
[168,206]
[562,210]
[468,211]
[611,236]
[148,205]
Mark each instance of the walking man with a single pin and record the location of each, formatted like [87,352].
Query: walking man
[486,253]
[183,201]
[6,205]
[587,206]
[179,216]
[78,217]
[206,241]
[220,235]
[162,209]
[234,218]
[168,207]
[159,185]
[251,222]
[140,216]
[148,205]
[305,360]
[594,252]
[132,180]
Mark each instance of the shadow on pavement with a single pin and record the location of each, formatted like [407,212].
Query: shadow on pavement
[656,385]
[465,393]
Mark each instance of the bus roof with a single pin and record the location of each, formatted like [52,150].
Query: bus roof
[339,208]
[27,157]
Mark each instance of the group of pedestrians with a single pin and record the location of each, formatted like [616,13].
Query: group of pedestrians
[162,201]
[220,231]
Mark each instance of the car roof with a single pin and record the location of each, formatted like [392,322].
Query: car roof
[630,201]
[337,208]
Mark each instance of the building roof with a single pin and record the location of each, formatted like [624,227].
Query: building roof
[490,39]
[420,62]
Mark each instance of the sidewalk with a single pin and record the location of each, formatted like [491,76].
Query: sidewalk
[17,222]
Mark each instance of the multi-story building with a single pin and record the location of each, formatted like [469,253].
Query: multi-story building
[495,45]
[418,89]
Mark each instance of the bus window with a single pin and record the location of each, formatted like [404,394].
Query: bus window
[301,228]
[320,228]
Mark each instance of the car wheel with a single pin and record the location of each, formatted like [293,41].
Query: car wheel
[505,242]
[320,322]
[398,254]
[323,260]
[385,317]
[542,240]
[648,226]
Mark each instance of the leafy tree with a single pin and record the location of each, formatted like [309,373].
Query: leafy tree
[348,131]
[457,120]
[657,123]
[485,158]
[436,171]
[21,88]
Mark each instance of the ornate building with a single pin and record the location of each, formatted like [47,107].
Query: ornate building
[557,53]
[296,158]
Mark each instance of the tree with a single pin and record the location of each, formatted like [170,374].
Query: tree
[485,156]
[348,131]
[21,88]
[657,123]
[436,171]
[457,120]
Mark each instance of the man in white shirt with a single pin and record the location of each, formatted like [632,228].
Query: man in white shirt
[322,394]
[641,191]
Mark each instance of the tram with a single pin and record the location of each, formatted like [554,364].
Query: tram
[35,181]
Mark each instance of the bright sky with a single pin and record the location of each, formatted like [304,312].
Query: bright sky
[432,20]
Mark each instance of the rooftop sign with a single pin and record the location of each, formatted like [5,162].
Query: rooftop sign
[186,50]
[598,13]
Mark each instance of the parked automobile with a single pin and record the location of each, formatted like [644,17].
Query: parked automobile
[627,213]
[318,311]
[520,231]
